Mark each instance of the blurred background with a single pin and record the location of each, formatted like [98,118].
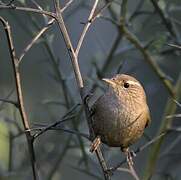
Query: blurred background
[49,87]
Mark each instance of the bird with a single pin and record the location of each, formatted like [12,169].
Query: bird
[121,114]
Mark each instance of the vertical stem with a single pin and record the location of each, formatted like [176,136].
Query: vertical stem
[79,80]
[69,46]
[29,137]
[165,123]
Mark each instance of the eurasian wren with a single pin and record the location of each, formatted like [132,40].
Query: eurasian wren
[121,114]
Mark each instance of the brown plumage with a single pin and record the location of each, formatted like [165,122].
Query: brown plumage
[121,114]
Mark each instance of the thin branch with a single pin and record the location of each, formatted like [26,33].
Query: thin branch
[133,39]
[165,20]
[67,5]
[129,171]
[79,79]
[69,46]
[20,96]
[171,144]
[40,33]
[133,172]
[86,27]
[137,151]
[51,126]
[9,101]
[26,9]
[173,116]
[66,117]
[175,46]
[30,44]
[54,127]
[165,125]
[64,88]
[93,15]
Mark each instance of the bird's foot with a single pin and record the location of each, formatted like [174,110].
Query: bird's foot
[129,159]
[95,144]
[129,156]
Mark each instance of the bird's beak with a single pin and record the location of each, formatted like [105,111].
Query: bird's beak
[109,81]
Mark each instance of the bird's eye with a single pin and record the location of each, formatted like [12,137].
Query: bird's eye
[126,85]
[113,79]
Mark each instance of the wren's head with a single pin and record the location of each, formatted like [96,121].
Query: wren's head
[125,86]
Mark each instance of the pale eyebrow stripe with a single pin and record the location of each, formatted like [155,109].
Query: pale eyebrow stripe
[133,83]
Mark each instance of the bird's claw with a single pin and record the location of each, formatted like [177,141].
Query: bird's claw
[129,159]
[95,144]
[132,153]
[129,156]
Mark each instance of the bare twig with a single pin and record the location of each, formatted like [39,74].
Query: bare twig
[138,150]
[64,87]
[133,172]
[177,103]
[86,27]
[20,96]
[9,101]
[67,5]
[133,39]
[173,116]
[40,33]
[124,170]
[165,125]
[51,126]
[66,117]
[92,16]
[30,44]
[79,79]
[68,43]
[32,10]
[165,20]
[175,46]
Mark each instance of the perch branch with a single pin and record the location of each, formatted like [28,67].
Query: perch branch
[79,79]
[26,9]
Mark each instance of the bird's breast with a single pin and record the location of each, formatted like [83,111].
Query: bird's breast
[118,123]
